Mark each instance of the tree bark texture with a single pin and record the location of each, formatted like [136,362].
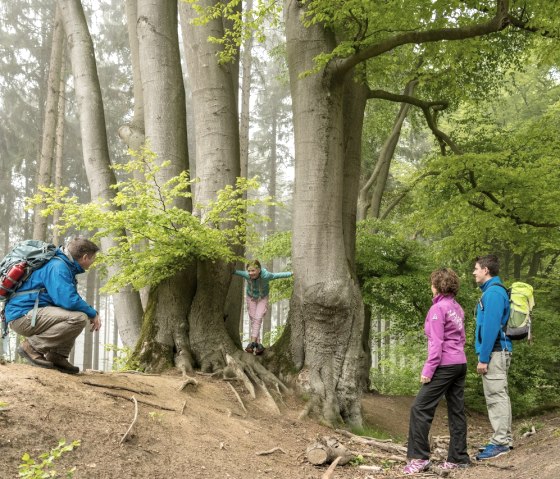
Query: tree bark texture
[327,311]
[44,173]
[165,125]
[214,97]
[128,309]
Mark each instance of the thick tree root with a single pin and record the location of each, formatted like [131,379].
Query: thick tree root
[254,377]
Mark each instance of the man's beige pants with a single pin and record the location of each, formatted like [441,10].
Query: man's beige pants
[55,330]
[495,385]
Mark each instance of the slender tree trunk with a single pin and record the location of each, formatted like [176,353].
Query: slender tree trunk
[327,314]
[88,334]
[128,308]
[44,175]
[214,95]
[59,148]
[378,178]
[247,63]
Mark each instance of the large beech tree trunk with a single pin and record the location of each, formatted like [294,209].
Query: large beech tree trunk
[214,96]
[327,314]
[164,340]
[128,309]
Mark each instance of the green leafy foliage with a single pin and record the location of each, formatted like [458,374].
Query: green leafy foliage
[31,469]
[155,237]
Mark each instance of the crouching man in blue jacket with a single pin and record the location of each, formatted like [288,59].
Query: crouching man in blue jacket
[48,310]
[494,349]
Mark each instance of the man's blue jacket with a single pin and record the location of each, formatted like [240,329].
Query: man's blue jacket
[58,279]
[492,313]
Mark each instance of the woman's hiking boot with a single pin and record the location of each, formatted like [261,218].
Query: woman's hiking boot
[25,350]
[61,363]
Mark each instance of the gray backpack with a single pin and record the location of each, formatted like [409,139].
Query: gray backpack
[18,264]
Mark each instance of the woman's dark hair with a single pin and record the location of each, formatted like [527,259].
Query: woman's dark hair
[491,262]
[446,281]
[79,246]
[253,264]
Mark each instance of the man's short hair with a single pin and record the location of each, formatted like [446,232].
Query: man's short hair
[79,246]
[491,262]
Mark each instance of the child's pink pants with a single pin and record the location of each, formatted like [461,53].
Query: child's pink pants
[257,308]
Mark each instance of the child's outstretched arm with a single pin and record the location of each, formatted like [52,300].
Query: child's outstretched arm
[283,274]
[242,273]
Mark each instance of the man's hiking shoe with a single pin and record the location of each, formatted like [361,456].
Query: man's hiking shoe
[25,350]
[481,448]
[259,349]
[61,363]
[250,348]
[415,466]
[491,451]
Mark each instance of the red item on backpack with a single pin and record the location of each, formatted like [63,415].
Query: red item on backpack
[12,278]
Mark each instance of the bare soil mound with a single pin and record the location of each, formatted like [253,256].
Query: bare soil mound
[203,432]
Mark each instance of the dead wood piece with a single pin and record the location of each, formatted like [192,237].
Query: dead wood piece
[133,420]
[124,388]
[141,401]
[381,457]
[240,373]
[373,442]
[330,471]
[270,451]
[188,381]
[183,408]
[320,452]
[7,408]
[529,433]
[238,397]
[371,468]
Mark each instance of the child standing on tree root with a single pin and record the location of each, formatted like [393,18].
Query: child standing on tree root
[257,299]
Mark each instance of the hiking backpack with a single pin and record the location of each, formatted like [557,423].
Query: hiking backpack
[24,258]
[521,303]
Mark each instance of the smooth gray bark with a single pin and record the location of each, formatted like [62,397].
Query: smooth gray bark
[128,309]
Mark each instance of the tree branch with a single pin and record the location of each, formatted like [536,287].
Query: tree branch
[498,22]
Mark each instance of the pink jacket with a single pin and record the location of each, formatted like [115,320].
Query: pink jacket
[444,328]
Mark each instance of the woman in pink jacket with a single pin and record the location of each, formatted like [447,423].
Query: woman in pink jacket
[443,374]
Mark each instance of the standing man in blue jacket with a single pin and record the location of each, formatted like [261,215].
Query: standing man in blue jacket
[494,349]
[48,310]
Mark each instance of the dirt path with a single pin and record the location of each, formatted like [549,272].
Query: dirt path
[203,432]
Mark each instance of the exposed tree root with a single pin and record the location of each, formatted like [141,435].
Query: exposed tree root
[238,397]
[133,420]
[147,403]
[124,388]
[188,381]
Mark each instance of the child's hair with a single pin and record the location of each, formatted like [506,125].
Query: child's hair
[253,264]
[446,281]
[491,262]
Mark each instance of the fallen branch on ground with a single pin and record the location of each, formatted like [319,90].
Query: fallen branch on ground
[141,401]
[329,472]
[325,450]
[373,442]
[124,388]
[274,449]
[382,457]
[133,421]
[183,408]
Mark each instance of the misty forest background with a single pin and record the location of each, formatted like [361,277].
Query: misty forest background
[374,154]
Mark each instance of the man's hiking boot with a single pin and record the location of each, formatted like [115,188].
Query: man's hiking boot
[259,349]
[491,451]
[26,351]
[61,363]
[481,448]
[251,347]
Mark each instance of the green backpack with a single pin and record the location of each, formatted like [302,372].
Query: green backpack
[521,303]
